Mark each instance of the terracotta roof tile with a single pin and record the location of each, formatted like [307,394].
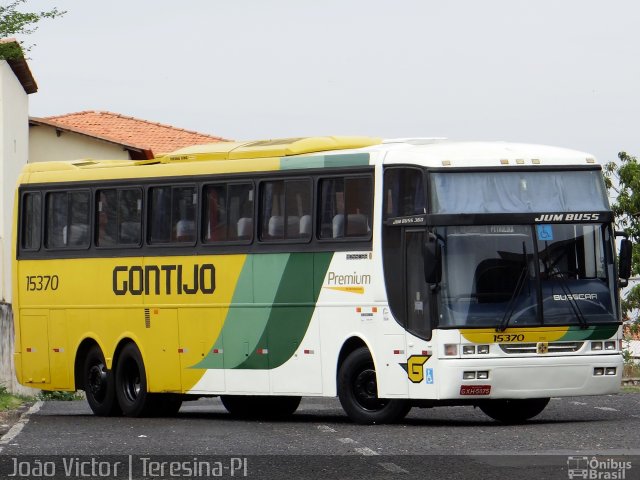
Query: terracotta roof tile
[131,131]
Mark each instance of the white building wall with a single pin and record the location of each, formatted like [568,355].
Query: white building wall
[14,143]
[46,145]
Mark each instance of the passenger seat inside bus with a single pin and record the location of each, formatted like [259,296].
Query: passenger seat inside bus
[245,228]
[276,227]
[357,225]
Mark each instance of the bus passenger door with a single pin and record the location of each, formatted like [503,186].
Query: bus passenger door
[418,318]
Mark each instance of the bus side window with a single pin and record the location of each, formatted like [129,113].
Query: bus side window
[129,216]
[228,213]
[183,213]
[160,215]
[285,210]
[240,211]
[31,221]
[403,193]
[67,219]
[172,214]
[106,220]
[215,213]
[345,207]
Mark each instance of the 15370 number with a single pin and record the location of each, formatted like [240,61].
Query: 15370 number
[508,337]
[39,283]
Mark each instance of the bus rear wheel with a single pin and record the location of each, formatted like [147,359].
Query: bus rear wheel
[99,385]
[131,384]
[358,392]
[513,411]
[250,406]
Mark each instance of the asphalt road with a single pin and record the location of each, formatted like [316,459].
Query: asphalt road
[320,442]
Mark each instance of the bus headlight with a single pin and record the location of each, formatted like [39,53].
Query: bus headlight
[596,345]
[468,375]
[468,349]
[610,345]
[483,349]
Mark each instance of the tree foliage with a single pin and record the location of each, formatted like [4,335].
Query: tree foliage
[623,183]
[15,22]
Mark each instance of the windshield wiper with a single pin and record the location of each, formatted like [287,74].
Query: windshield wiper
[508,313]
[570,298]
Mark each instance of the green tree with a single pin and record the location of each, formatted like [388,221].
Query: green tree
[15,22]
[623,183]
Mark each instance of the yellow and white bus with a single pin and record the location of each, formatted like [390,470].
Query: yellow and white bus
[396,273]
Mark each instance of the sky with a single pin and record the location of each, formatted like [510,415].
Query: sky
[563,73]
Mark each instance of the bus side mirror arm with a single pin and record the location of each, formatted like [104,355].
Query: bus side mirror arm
[432,261]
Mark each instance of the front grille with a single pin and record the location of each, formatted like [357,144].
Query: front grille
[553,347]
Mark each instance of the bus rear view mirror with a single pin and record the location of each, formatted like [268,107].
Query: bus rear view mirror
[624,261]
[432,261]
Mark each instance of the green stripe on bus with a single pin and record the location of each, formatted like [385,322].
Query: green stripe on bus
[285,288]
[295,303]
[250,309]
[324,161]
[599,332]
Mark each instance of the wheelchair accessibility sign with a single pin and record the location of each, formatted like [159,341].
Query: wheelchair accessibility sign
[428,375]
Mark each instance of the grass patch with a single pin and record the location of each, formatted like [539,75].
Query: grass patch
[60,396]
[9,401]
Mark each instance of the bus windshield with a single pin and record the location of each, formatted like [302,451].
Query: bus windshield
[526,275]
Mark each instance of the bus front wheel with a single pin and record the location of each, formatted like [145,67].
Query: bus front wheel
[358,392]
[131,383]
[99,385]
[513,410]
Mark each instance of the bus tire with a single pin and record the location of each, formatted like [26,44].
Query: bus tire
[512,411]
[131,384]
[358,392]
[99,384]
[270,407]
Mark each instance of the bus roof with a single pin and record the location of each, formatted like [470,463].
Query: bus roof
[307,152]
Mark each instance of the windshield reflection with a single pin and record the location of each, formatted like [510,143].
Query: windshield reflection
[516,275]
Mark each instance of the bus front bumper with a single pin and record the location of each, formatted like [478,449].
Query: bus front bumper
[531,377]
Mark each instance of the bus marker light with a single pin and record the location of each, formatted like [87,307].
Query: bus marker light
[596,345]
[468,375]
[483,375]
[308,352]
[598,371]
[181,350]
[358,309]
[610,371]
[468,349]
[451,349]
[262,351]
[216,350]
[398,352]
[29,350]
[483,349]
[426,352]
[374,309]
